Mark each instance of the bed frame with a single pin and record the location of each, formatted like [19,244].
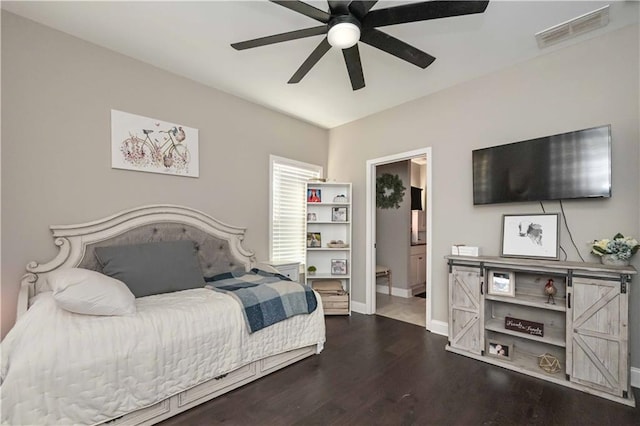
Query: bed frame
[219,249]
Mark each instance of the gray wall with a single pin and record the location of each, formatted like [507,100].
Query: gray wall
[592,83]
[393,229]
[57,93]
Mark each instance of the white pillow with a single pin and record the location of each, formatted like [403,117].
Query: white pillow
[91,293]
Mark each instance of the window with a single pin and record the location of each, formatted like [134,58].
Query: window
[288,205]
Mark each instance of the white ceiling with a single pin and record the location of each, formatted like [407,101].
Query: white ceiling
[193,39]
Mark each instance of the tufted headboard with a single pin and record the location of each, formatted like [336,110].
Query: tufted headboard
[219,245]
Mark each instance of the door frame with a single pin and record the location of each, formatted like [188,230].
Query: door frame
[370,261]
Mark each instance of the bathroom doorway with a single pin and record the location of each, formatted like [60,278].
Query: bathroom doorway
[399,299]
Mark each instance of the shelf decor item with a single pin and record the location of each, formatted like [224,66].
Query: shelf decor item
[338,266]
[533,236]
[523,326]
[314,240]
[341,198]
[501,283]
[311,217]
[314,195]
[550,290]
[311,270]
[389,191]
[339,214]
[499,350]
[337,244]
[549,363]
[616,251]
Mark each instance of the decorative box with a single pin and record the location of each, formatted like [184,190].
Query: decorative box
[462,250]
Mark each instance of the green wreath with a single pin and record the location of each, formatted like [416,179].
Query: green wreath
[389,191]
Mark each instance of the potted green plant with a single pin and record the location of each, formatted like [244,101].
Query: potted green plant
[311,270]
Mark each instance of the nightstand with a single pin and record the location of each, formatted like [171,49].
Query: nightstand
[288,268]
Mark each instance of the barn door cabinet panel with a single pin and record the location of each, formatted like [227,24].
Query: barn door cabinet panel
[579,331]
[598,335]
[465,329]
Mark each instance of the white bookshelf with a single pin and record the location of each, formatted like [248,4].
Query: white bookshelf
[328,224]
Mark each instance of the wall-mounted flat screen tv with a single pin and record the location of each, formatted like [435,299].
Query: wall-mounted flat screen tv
[569,165]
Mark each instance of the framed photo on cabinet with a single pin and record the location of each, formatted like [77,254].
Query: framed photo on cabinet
[531,236]
[499,350]
[314,240]
[339,214]
[501,283]
[338,266]
[314,195]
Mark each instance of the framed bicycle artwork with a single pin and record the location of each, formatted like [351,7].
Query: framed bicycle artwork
[149,145]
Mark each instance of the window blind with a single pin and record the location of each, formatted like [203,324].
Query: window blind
[288,206]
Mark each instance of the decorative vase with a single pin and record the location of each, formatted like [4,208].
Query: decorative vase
[608,259]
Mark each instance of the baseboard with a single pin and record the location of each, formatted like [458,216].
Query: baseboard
[358,307]
[635,377]
[439,327]
[384,289]
[400,292]
[417,289]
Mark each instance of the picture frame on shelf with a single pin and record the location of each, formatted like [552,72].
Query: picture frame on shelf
[312,217]
[498,349]
[314,240]
[338,266]
[501,283]
[531,236]
[339,214]
[314,195]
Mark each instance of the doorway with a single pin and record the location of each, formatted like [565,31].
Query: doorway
[371,236]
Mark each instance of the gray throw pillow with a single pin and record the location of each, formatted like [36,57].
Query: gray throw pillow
[153,268]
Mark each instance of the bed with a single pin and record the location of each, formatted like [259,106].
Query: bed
[175,351]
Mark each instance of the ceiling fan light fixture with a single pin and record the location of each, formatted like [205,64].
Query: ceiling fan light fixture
[343,35]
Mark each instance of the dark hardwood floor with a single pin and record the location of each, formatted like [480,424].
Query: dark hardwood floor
[379,371]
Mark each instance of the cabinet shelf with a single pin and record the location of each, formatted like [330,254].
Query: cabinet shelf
[328,222]
[328,204]
[552,336]
[533,301]
[527,361]
[317,276]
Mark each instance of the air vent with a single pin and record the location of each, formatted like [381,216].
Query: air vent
[573,28]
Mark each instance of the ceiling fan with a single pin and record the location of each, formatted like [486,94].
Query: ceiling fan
[351,21]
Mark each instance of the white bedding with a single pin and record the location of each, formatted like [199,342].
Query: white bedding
[61,368]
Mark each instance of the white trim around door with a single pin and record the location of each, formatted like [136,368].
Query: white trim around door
[370,301]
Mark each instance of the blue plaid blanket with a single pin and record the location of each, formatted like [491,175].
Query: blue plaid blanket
[266,298]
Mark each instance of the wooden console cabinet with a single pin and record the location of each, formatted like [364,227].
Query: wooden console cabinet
[586,329]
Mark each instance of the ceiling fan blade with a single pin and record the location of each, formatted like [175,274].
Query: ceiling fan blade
[421,12]
[305,9]
[396,47]
[339,7]
[360,8]
[315,56]
[277,38]
[354,66]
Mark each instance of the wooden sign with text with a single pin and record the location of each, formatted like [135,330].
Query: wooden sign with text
[524,326]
